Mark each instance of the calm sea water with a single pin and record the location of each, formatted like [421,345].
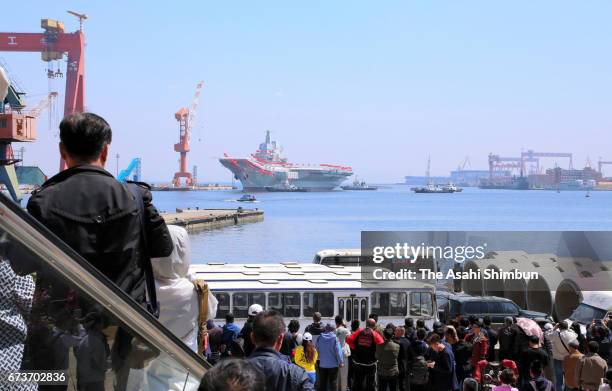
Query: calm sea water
[297,225]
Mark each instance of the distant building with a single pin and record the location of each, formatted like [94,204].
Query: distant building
[559,175]
[473,177]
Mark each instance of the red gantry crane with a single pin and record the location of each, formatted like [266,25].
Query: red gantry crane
[186,119]
[52,44]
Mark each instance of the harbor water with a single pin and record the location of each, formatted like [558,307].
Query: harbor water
[297,225]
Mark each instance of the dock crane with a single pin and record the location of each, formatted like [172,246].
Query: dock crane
[52,44]
[16,125]
[601,163]
[186,119]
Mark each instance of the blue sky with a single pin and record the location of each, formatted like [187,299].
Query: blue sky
[374,86]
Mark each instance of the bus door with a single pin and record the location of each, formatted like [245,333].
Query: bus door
[353,307]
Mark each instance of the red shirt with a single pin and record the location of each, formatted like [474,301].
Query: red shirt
[350,340]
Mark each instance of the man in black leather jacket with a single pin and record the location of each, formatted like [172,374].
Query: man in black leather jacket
[96,215]
[267,335]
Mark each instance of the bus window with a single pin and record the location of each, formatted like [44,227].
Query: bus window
[223,308]
[322,302]
[389,303]
[287,303]
[241,301]
[421,304]
[364,309]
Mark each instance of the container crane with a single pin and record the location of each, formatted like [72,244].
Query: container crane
[186,119]
[52,44]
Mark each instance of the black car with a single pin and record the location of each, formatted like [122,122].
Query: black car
[497,308]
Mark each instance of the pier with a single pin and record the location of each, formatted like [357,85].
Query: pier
[199,219]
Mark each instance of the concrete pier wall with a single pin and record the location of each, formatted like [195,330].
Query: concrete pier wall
[200,219]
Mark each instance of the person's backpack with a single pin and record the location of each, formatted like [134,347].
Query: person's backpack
[419,371]
[365,347]
[535,388]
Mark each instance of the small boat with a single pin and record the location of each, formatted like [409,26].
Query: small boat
[432,188]
[357,185]
[247,198]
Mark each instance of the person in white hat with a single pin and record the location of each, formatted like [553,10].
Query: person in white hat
[306,356]
[245,333]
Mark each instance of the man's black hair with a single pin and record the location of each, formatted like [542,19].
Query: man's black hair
[229,318]
[84,135]
[421,334]
[534,339]
[409,322]
[374,316]
[388,333]
[339,320]
[355,324]
[420,323]
[465,322]
[461,333]
[294,326]
[563,325]
[233,375]
[536,368]
[267,326]
[593,347]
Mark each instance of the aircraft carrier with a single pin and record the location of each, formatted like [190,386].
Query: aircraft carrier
[267,170]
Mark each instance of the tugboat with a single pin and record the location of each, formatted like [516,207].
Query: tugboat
[357,185]
[432,188]
[247,198]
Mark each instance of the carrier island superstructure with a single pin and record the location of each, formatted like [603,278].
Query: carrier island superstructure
[266,169]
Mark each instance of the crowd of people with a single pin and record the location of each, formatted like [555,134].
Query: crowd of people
[117,229]
[467,354]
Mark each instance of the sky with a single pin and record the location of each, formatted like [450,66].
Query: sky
[378,86]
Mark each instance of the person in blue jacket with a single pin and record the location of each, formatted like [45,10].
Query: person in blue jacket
[229,335]
[330,359]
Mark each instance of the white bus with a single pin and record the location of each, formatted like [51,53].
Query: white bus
[297,291]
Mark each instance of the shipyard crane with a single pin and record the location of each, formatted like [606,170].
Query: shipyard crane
[601,163]
[530,154]
[53,43]
[16,125]
[186,119]
[497,162]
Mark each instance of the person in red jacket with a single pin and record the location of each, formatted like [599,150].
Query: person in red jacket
[363,344]
[480,344]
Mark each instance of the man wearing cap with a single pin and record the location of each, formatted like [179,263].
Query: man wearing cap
[570,362]
[245,333]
